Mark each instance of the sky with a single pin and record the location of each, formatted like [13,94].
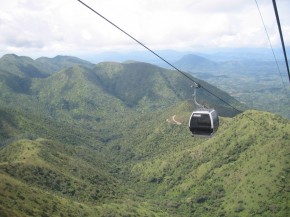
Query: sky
[52,27]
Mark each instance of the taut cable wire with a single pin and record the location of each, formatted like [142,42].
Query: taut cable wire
[183,73]
[272,50]
[281,36]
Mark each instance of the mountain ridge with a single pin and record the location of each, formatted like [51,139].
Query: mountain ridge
[61,62]
[129,85]
[87,141]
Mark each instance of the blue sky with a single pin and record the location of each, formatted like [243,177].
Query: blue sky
[51,27]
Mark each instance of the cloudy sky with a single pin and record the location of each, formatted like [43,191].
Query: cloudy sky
[50,27]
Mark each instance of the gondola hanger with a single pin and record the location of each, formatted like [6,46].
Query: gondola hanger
[203,121]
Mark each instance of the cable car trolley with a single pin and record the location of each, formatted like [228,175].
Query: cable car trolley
[203,121]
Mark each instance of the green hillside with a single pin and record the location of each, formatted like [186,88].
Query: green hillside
[46,178]
[101,97]
[243,170]
[230,174]
[58,63]
[112,140]
[21,66]
[142,84]
[136,84]
[75,93]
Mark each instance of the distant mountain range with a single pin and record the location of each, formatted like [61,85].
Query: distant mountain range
[83,139]
[258,83]
[80,84]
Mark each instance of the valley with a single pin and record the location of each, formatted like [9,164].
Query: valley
[259,83]
[79,139]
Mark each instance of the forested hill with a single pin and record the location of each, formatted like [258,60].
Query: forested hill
[84,86]
[102,140]
[155,168]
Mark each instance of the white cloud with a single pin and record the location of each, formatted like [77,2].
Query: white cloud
[67,27]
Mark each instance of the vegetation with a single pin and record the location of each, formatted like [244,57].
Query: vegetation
[260,83]
[100,141]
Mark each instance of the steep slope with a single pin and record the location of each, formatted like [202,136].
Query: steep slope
[73,92]
[16,73]
[21,66]
[142,84]
[102,142]
[75,95]
[65,173]
[63,169]
[15,125]
[242,171]
[50,168]
[139,84]
[45,177]
[104,97]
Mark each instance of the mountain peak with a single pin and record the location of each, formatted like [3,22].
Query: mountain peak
[59,62]
[193,62]
[22,66]
[14,57]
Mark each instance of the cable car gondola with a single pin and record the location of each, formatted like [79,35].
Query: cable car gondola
[203,122]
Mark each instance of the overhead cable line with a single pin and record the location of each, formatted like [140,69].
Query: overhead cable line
[281,36]
[183,73]
[275,58]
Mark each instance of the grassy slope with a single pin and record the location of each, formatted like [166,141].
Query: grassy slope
[21,194]
[242,171]
[45,178]
[56,181]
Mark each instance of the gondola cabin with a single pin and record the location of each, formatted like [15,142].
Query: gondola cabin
[203,122]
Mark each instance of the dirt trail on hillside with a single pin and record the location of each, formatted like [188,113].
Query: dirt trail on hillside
[174,120]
